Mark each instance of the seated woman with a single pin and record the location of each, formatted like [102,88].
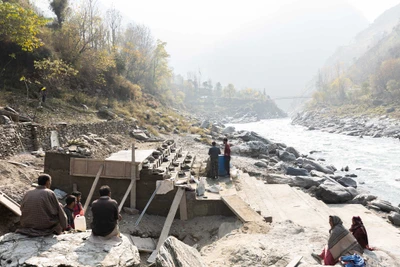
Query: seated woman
[341,242]
[359,232]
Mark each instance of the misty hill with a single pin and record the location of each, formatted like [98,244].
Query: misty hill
[371,84]
[283,52]
[366,39]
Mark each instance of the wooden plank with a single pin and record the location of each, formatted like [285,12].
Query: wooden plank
[244,212]
[183,208]
[10,203]
[133,178]
[167,224]
[125,196]
[92,189]
[143,244]
[295,261]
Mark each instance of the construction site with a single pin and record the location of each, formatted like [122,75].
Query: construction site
[237,221]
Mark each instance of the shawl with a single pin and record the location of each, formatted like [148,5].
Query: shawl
[341,241]
[359,231]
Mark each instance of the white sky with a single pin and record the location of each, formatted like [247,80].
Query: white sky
[189,27]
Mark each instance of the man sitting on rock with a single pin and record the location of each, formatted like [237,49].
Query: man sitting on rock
[42,214]
[105,215]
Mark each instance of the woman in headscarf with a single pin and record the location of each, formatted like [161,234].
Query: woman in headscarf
[359,232]
[341,242]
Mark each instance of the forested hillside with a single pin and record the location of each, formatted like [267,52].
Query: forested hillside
[370,81]
[84,55]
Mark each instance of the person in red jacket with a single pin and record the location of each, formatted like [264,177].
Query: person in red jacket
[227,156]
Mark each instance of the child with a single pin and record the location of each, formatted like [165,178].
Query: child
[69,210]
[78,209]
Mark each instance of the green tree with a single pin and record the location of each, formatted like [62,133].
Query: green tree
[20,25]
[218,89]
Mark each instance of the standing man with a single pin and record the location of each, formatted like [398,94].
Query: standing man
[227,156]
[214,152]
[105,214]
[41,213]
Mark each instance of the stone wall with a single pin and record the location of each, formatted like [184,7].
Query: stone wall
[21,137]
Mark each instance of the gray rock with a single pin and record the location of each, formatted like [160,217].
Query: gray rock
[261,164]
[174,253]
[306,182]
[315,165]
[65,250]
[363,199]
[275,178]
[296,171]
[228,130]
[384,205]
[293,151]
[139,135]
[286,156]
[394,218]
[347,182]
[5,120]
[205,124]
[333,193]
[251,148]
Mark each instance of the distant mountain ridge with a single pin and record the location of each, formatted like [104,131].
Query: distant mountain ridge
[366,39]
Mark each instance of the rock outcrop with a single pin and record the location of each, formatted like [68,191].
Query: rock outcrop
[73,250]
[174,253]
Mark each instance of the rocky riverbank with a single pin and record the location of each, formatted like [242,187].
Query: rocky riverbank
[278,163]
[362,125]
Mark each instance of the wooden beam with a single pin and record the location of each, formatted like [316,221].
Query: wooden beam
[10,203]
[92,189]
[168,223]
[126,195]
[295,261]
[133,178]
[183,208]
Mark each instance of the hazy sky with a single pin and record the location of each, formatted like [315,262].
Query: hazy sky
[191,26]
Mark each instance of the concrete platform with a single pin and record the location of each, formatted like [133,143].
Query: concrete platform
[126,155]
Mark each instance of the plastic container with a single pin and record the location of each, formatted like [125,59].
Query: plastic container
[221,165]
[80,223]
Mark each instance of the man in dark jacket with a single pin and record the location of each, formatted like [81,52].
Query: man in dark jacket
[105,214]
[214,152]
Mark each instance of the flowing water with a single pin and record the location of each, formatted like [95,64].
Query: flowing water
[377,158]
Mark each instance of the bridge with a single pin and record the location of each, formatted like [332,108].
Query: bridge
[290,97]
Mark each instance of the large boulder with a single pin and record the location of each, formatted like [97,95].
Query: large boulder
[275,178]
[333,193]
[314,165]
[297,171]
[394,218]
[228,130]
[65,250]
[293,151]
[174,253]
[251,148]
[306,182]
[384,205]
[261,164]
[286,156]
[205,124]
[347,182]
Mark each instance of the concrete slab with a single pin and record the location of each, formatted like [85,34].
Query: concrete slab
[381,234]
[244,212]
[126,155]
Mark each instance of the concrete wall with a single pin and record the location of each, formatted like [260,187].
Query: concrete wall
[17,138]
[57,165]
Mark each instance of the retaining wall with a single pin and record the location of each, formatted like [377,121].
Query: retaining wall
[22,137]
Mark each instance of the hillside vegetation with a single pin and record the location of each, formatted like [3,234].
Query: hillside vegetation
[86,57]
[370,81]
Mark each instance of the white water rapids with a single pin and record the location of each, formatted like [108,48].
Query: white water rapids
[377,158]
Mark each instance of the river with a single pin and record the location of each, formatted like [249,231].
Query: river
[374,160]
